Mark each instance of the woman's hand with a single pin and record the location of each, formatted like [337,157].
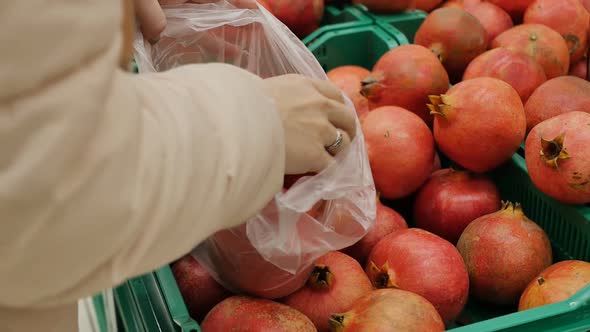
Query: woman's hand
[313,114]
[152,20]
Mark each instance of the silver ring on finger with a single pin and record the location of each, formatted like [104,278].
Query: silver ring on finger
[333,148]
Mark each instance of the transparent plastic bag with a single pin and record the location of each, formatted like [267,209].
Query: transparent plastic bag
[271,254]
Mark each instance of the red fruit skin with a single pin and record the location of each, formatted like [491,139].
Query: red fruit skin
[349,284]
[455,36]
[400,149]
[461,4]
[437,164]
[483,126]
[493,18]
[240,266]
[302,16]
[245,314]
[570,182]
[427,5]
[515,8]
[557,96]
[557,283]
[580,69]
[386,222]
[519,70]
[386,6]
[503,252]
[386,310]
[568,17]
[451,199]
[586,4]
[423,263]
[199,290]
[348,79]
[404,77]
[543,44]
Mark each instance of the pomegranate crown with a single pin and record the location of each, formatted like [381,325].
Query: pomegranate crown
[439,105]
[512,207]
[553,151]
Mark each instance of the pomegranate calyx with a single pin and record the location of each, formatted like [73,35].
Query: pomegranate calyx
[573,42]
[540,280]
[553,150]
[368,84]
[439,105]
[382,277]
[514,208]
[321,277]
[337,322]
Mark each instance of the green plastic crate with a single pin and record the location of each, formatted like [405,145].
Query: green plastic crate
[568,227]
[342,17]
[361,46]
[155,299]
[407,22]
[153,303]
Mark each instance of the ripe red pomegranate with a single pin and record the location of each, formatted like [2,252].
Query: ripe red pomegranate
[568,17]
[515,8]
[503,252]
[423,263]
[400,148]
[519,70]
[493,18]
[336,283]
[451,199]
[427,5]
[461,4]
[302,16]
[240,313]
[557,283]
[389,310]
[199,290]
[404,77]
[455,36]
[479,123]
[386,222]
[558,157]
[386,6]
[348,79]
[557,96]
[543,44]
[437,164]
[241,267]
[580,69]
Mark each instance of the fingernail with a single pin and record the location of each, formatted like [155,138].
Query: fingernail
[154,40]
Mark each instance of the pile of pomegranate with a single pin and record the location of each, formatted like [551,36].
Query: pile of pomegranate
[443,235]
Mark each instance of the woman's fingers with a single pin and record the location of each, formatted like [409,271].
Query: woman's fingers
[340,115]
[328,90]
[151,19]
[340,142]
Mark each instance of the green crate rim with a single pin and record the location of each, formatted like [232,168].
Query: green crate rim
[363,17]
[389,36]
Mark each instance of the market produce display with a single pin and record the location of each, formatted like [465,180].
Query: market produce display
[441,117]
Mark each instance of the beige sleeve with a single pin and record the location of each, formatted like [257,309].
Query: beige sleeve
[105,175]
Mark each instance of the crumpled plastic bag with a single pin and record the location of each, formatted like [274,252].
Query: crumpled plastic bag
[271,254]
